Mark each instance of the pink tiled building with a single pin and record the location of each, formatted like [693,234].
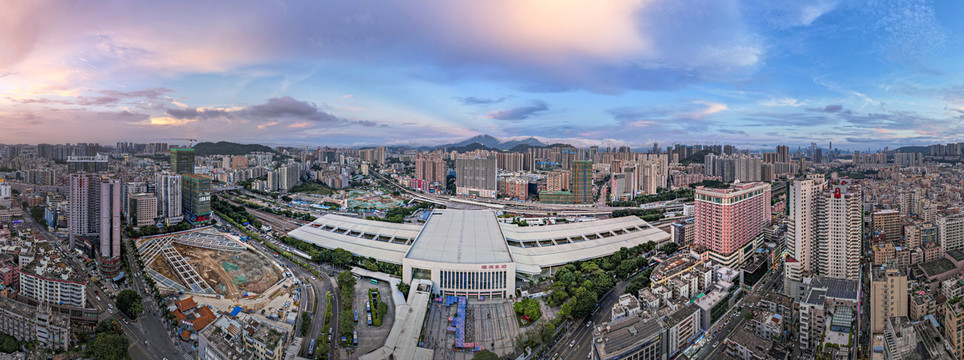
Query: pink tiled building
[729,219]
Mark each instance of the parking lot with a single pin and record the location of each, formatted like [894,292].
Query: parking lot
[370,337]
[490,323]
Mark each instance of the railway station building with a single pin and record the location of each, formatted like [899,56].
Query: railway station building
[471,253]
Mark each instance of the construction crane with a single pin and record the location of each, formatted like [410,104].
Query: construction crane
[190,141]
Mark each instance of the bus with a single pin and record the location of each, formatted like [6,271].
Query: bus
[374,282]
[356,316]
[354,341]
[311,349]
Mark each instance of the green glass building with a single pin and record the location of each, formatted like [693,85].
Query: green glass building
[582,181]
[182,160]
[196,197]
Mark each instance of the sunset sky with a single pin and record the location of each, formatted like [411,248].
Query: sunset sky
[861,73]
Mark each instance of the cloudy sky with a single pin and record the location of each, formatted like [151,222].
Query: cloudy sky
[756,73]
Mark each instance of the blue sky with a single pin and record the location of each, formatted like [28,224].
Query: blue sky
[862,74]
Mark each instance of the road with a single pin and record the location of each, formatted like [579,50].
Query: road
[720,331]
[581,332]
[149,325]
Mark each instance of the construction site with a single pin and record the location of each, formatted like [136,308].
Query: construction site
[208,262]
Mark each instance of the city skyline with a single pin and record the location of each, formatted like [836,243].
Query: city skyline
[756,74]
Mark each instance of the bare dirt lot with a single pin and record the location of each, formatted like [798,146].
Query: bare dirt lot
[229,273]
[161,266]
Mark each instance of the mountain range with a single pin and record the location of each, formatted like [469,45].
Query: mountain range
[491,142]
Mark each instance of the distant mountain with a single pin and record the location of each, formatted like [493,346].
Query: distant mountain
[491,142]
[531,142]
[915,149]
[228,148]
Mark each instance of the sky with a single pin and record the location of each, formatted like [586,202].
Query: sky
[860,74]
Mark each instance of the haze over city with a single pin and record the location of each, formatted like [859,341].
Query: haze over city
[861,74]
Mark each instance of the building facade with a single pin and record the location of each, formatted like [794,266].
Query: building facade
[182,160]
[196,197]
[888,296]
[582,181]
[167,189]
[476,177]
[730,222]
[28,323]
[142,209]
[46,282]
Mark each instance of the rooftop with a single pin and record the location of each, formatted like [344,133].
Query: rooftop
[837,288]
[936,267]
[956,254]
[750,341]
[461,236]
[610,339]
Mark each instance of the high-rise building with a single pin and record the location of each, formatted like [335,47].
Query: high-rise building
[582,181]
[888,295]
[476,177]
[430,168]
[783,153]
[380,155]
[801,227]
[108,257]
[196,197]
[839,220]
[730,222]
[558,180]
[167,189]
[182,160]
[284,177]
[509,161]
[141,209]
[91,164]
[950,230]
[5,190]
[824,229]
[84,206]
[239,162]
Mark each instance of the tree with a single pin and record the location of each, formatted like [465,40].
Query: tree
[8,344]
[108,346]
[639,282]
[129,302]
[625,268]
[404,288]
[108,326]
[670,248]
[346,286]
[342,258]
[583,302]
[347,326]
[485,355]
[547,332]
[305,323]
